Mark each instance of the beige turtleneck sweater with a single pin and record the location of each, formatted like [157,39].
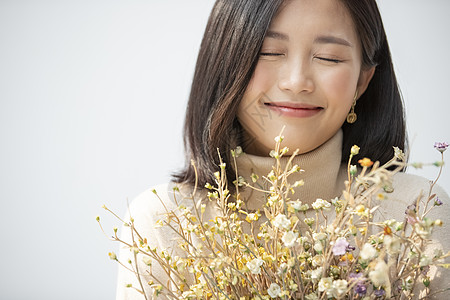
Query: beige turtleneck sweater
[324,178]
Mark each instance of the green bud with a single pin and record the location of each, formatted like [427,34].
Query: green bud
[426,282]
[438,163]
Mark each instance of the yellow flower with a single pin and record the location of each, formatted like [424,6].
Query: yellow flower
[112,255]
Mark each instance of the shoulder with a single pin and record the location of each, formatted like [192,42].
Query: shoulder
[153,203]
[408,187]
[155,198]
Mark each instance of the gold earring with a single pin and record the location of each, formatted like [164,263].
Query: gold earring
[351,117]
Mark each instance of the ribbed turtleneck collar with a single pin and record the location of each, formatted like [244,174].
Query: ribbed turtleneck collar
[323,175]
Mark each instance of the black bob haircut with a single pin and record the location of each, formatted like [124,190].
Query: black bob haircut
[228,56]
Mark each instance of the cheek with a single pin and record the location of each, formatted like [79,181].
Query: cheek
[263,79]
[340,87]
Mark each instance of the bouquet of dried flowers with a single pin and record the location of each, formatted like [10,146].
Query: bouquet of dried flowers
[288,250]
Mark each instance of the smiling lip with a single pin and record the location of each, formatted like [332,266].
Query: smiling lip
[295,110]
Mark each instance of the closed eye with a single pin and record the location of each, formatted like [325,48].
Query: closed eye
[270,54]
[329,59]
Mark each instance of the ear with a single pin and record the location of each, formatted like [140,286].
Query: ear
[364,79]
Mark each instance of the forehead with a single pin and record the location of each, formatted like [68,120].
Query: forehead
[315,17]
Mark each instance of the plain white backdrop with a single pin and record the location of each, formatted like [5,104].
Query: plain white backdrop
[92,100]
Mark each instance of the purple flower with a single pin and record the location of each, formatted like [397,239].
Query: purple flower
[438,202]
[350,248]
[425,270]
[441,147]
[411,214]
[355,276]
[340,246]
[410,208]
[360,289]
[379,293]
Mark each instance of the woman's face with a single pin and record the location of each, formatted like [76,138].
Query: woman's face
[308,73]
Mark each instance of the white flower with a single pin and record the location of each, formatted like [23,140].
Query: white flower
[424,228]
[392,244]
[425,261]
[318,246]
[311,297]
[147,260]
[281,221]
[279,138]
[368,252]
[317,260]
[325,284]
[316,274]
[255,265]
[398,153]
[274,290]
[296,204]
[289,238]
[282,268]
[319,236]
[339,287]
[379,275]
[321,204]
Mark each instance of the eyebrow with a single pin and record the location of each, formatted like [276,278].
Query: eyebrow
[329,39]
[322,39]
[277,35]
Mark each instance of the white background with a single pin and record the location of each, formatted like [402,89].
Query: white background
[92,100]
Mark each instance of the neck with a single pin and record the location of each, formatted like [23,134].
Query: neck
[322,173]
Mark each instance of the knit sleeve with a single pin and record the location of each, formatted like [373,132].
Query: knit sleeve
[440,241]
[146,210]
[407,189]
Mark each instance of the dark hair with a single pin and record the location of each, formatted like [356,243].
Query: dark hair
[227,58]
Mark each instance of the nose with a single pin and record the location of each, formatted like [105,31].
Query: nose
[296,77]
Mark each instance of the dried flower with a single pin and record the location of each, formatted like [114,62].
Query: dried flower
[378,275]
[340,247]
[379,292]
[255,265]
[321,204]
[274,290]
[365,162]
[438,202]
[316,274]
[279,138]
[393,244]
[398,153]
[360,289]
[289,238]
[296,205]
[326,285]
[368,252]
[354,150]
[339,287]
[441,147]
[282,252]
[112,255]
[281,221]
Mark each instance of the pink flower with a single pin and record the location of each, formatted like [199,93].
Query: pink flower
[441,147]
[340,246]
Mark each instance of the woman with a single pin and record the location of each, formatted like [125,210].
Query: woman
[322,69]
